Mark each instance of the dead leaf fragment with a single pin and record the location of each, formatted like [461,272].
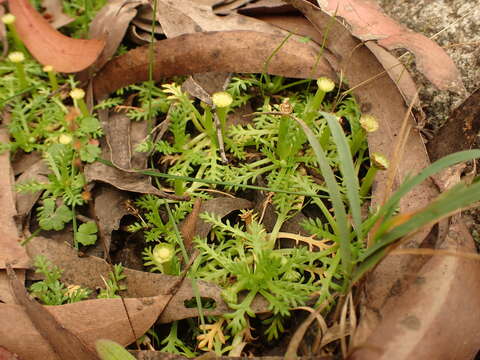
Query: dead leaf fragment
[437,317]
[232,51]
[64,344]
[54,11]
[368,22]
[110,25]
[89,320]
[48,45]
[10,249]
[87,271]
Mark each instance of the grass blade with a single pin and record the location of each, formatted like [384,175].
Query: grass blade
[342,229]
[437,166]
[459,197]
[347,169]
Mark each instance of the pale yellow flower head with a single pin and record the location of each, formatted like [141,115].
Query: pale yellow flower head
[16,57]
[379,161]
[162,253]
[65,139]
[48,68]
[222,99]
[77,94]
[325,84]
[369,123]
[8,19]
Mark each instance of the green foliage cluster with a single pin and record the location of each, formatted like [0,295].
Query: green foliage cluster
[51,291]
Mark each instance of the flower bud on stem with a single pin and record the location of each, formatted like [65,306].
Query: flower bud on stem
[18,58]
[9,20]
[52,77]
[77,95]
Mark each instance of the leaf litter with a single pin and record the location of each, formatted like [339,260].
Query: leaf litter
[230,58]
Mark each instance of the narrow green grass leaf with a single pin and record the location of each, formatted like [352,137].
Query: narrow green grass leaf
[347,169]
[342,228]
[437,166]
[458,197]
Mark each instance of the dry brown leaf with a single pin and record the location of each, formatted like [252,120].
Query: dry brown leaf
[232,51]
[10,249]
[87,271]
[437,317]
[54,13]
[122,178]
[221,207]
[65,344]
[22,161]
[179,17]
[89,320]
[48,45]
[110,24]
[117,135]
[368,22]
[109,209]
[7,355]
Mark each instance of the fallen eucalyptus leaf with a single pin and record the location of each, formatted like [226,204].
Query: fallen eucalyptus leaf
[368,22]
[89,320]
[437,317]
[48,45]
[232,51]
[10,249]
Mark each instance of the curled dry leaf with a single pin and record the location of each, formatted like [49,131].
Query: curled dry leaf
[368,22]
[179,17]
[424,322]
[26,200]
[109,209]
[49,46]
[231,51]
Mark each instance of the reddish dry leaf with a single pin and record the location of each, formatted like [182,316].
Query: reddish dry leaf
[368,22]
[232,51]
[48,45]
[65,344]
[437,317]
[7,355]
[89,320]
[10,249]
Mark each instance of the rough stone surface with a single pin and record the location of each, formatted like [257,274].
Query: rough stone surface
[455,25]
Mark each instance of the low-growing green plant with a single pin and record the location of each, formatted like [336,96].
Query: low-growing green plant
[51,291]
[112,284]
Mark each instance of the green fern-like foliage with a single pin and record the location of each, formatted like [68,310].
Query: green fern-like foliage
[246,260]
